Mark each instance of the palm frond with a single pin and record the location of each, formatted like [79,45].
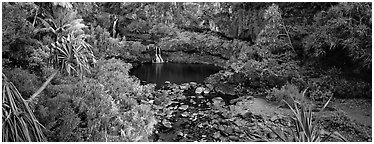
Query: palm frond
[19,122]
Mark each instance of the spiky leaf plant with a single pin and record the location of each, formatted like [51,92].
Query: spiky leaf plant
[19,123]
[306,129]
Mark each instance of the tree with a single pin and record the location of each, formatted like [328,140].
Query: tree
[70,53]
[344,29]
[19,122]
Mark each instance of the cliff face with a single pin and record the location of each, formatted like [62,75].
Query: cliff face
[233,33]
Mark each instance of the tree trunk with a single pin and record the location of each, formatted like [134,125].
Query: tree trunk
[42,87]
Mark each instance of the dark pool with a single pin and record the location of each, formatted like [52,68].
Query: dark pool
[173,72]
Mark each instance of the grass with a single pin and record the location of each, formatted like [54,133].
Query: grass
[306,129]
[19,123]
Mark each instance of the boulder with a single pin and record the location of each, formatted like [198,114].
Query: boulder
[225,89]
[193,83]
[209,86]
[217,99]
[199,90]
[184,87]
[206,91]
[167,123]
[183,107]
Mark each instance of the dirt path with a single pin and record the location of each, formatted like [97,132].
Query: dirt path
[262,107]
[359,110]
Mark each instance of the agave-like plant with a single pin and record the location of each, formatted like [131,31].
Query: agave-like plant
[69,53]
[306,129]
[19,123]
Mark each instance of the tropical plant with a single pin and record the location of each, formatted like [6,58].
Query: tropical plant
[19,122]
[306,130]
[25,81]
[69,52]
[103,107]
[343,31]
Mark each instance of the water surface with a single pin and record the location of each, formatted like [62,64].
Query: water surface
[173,72]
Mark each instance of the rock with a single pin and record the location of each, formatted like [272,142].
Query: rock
[220,127]
[200,97]
[182,97]
[273,118]
[158,107]
[184,114]
[229,130]
[184,87]
[226,115]
[199,90]
[218,99]
[200,125]
[216,135]
[206,91]
[157,101]
[193,83]
[225,89]
[192,101]
[250,98]
[247,114]
[183,107]
[167,82]
[224,139]
[209,86]
[271,135]
[237,78]
[179,133]
[166,123]
[233,137]
[204,136]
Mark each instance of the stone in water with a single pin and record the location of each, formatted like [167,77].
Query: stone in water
[199,90]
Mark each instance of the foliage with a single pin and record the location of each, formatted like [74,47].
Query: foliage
[207,43]
[19,123]
[101,108]
[324,83]
[26,82]
[105,46]
[72,55]
[288,93]
[163,30]
[345,27]
[19,47]
[274,36]
[306,129]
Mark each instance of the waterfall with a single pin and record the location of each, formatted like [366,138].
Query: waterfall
[158,56]
[114,26]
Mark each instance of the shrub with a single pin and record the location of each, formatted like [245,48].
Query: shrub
[105,46]
[344,28]
[101,108]
[193,42]
[26,82]
[288,93]
[163,30]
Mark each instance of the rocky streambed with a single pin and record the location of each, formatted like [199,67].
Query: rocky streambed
[195,112]
[223,112]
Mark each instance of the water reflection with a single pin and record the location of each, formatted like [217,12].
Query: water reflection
[173,72]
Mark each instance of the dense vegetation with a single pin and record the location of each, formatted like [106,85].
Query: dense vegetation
[69,63]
